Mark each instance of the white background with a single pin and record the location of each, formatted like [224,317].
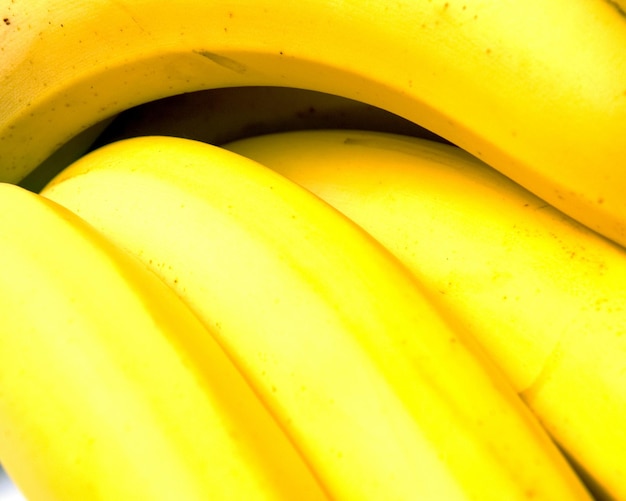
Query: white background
[8,492]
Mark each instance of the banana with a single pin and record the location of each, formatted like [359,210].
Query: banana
[110,386]
[384,397]
[501,261]
[535,89]
[217,116]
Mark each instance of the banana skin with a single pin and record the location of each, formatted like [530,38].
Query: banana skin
[540,292]
[384,397]
[111,388]
[536,90]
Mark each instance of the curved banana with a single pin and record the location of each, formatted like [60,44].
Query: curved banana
[542,294]
[536,89]
[111,388]
[381,395]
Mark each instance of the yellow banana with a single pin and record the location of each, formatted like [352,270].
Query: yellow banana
[536,89]
[110,388]
[222,115]
[543,294]
[384,398]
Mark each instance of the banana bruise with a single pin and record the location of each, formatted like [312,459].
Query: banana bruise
[514,83]
[383,396]
[111,388]
[500,260]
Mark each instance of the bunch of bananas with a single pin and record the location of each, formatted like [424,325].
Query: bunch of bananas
[313,250]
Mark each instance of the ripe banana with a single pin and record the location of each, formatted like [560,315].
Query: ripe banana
[111,388]
[536,89]
[384,398]
[501,261]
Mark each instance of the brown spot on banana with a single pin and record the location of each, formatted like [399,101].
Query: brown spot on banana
[224,61]
[618,7]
